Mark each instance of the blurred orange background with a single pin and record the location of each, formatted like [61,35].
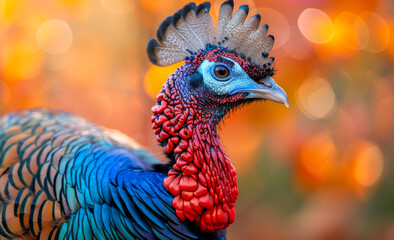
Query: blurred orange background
[321,169]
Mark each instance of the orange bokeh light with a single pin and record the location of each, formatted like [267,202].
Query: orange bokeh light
[317,161]
[316,25]
[156,77]
[19,63]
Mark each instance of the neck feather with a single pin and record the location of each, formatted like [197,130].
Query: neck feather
[202,179]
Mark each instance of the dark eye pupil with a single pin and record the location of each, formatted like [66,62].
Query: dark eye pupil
[221,72]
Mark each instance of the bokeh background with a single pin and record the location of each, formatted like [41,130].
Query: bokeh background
[322,169]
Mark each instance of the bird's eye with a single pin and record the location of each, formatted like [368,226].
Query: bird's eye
[221,72]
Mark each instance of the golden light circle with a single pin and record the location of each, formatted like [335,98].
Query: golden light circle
[378,30]
[351,31]
[362,32]
[369,164]
[54,36]
[316,98]
[318,154]
[20,62]
[316,25]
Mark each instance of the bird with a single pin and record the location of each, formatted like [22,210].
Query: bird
[62,177]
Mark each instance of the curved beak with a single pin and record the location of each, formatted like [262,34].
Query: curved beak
[265,89]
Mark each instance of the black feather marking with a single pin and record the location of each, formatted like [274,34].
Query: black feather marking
[119,203]
[145,205]
[163,167]
[96,229]
[57,236]
[160,235]
[230,2]
[5,171]
[245,8]
[195,80]
[121,227]
[150,48]
[203,6]
[50,236]
[128,197]
[39,217]
[176,230]
[131,229]
[226,61]
[187,8]
[176,17]
[97,218]
[106,219]
[258,16]
[11,177]
[75,225]
[23,211]
[33,208]
[271,36]
[86,228]
[164,210]
[163,27]
[58,177]
[5,231]
[17,202]
[266,26]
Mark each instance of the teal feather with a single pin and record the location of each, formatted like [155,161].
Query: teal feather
[105,189]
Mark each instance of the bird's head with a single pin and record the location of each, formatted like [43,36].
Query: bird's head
[222,70]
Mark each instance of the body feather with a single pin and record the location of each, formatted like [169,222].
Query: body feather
[65,178]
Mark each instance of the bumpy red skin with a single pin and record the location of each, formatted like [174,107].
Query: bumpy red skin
[203,180]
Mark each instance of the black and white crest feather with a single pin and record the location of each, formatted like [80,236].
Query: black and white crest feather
[192,28]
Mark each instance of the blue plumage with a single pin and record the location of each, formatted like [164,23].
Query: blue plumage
[100,184]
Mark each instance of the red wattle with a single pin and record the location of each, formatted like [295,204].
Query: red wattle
[202,180]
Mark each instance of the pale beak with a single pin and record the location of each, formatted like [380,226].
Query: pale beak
[266,89]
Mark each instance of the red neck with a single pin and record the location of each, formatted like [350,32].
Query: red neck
[202,180]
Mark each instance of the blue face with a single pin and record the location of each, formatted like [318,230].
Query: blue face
[227,77]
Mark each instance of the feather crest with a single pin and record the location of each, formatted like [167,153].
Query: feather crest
[192,28]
